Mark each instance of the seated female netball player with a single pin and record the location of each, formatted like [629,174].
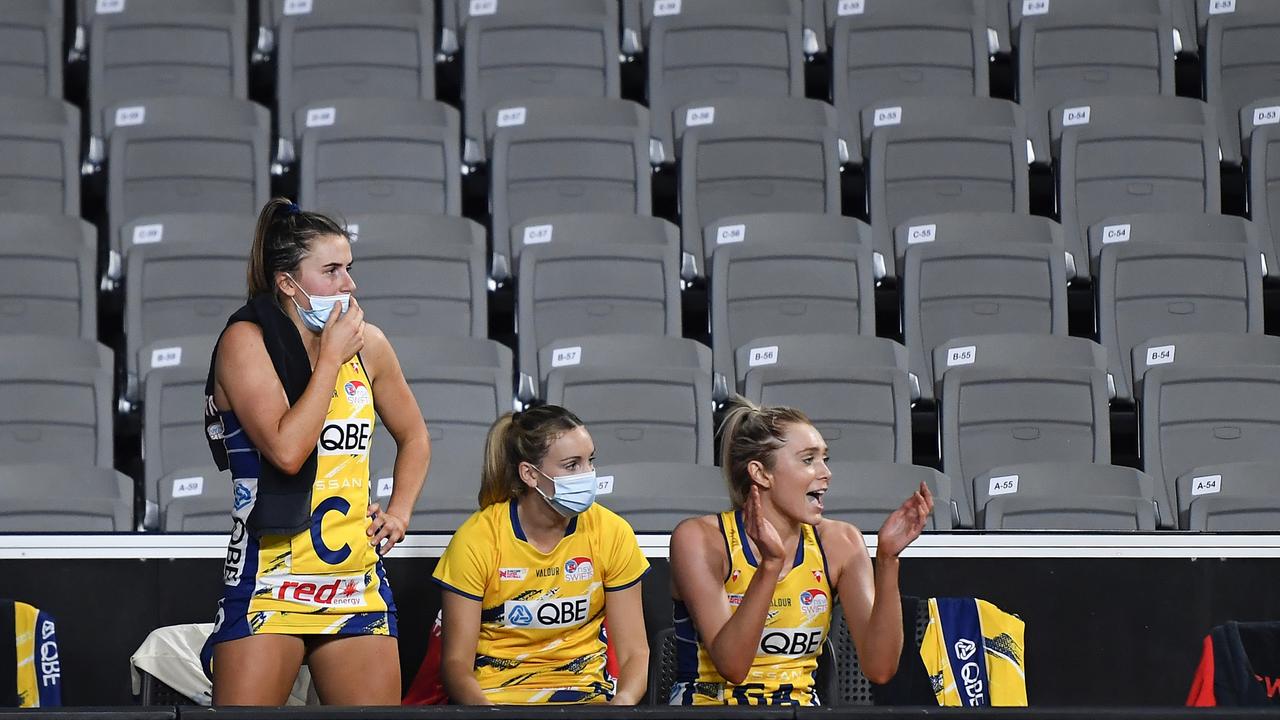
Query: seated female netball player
[754,586]
[531,576]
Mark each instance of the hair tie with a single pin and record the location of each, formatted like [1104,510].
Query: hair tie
[292,209]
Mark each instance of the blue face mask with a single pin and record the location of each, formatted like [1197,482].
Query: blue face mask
[321,307]
[573,493]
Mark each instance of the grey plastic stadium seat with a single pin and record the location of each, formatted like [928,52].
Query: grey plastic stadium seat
[1017,350]
[31,49]
[653,497]
[179,290]
[1259,113]
[1194,416]
[1232,497]
[39,156]
[639,413]
[557,112]
[1240,62]
[184,351]
[926,169]
[1203,350]
[87,11]
[407,287]
[380,155]
[1264,189]
[164,54]
[994,14]
[772,111]
[37,497]
[903,50]
[1067,56]
[196,500]
[427,230]
[226,229]
[332,55]
[865,493]
[1181,227]
[963,111]
[581,229]
[1068,496]
[462,385]
[1133,155]
[271,12]
[788,288]
[816,350]
[969,227]
[614,350]
[572,289]
[1146,289]
[785,229]
[172,428]
[979,288]
[639,14]
[993,416]
[725,49]
[543,171]
[181,155]
[862,413]
[63,351]
[729,170]
[54,412]
[1180,14]
[51,289]
[544,48]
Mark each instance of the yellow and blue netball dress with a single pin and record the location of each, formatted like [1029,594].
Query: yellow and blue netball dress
[787,656]
[326,579]
[542,614]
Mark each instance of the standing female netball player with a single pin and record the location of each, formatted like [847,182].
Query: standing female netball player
[293,386]
[754,587]
[532,575]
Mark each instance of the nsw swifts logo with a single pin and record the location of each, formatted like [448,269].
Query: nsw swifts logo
[357,393]
[579,568]
[813,602]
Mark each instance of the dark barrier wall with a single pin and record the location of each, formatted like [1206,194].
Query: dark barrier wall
[1099,631]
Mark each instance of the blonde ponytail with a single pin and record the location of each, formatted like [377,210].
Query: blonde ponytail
[751,432]
[515,438]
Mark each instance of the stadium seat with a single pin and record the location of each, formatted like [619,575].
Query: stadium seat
[1196,416]
[537,48]
[612,350]
[569,289]
[172,431]
[1122,155]
[993,416]
[639,413]
[51,290]
[815,350]
[582,229]
[559,112]
[1264,190]
[1240,60]
[1188,227]
[1232,497]
[73,497]
[747,110]
[1203,350]
[906,49]
[186,155]
[184,351]
[970,227]
[865,493]
[728,170]
[653,497]
[922,169]
[408,287]
[638,15]
[31,49]
[721,48]
[271,12]
[1166,287]
[376,155]
[233,230]
[1179,12]
[39,156]
[763,288]
[781,230]
[543,170]
[196,499]
[1067,55]
[56,411]
[962,111]
[462,385]
[64,351]
[1017,350]
[981,287]
[1068,496]
[331,55]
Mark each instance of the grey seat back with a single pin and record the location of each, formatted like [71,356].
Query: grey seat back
[1059,487]
[39,156]
[408,287]
[271,12]
[65,350]
[572,289]
[56,412]
[196,498]
[1180,227]
[865,493]
[229,229]
[784,229]
[1180,13]
[788,288]
[1239,60]
[31,49]
[970,227]
[816,350]
[961,110]
[1231,497]
[642,493]
[613,350]
[172,426]
[1202,349]
[52,289]
[1264,189]
[639,414]
[556,112]
[1146,289]
[1017,350]
[1093,513]
[184,351]
[584,228]
[979,288]
[73,497]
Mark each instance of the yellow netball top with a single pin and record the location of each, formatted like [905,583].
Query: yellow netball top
[787,656]
[541,618]
[326,579]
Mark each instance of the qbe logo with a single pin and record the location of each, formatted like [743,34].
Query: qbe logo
[345,437]
[813,602]
[790,642]
[970,674]
[579,568]
[549,613]
[521,616]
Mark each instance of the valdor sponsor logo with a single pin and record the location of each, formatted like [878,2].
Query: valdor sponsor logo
[512,573]
[813,602]
[345,437]
[552,613]
[790,642]
[315,590]
[579,568]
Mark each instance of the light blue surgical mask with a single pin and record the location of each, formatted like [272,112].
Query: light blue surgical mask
[573,493]
[321,307]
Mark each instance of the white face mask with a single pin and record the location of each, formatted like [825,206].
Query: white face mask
[573,493]
[321,306]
